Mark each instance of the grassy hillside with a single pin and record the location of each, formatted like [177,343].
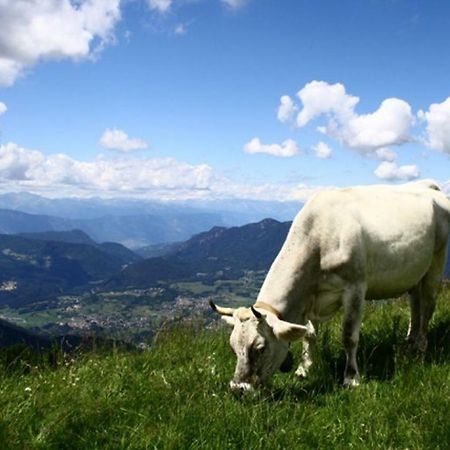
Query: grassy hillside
[175,395]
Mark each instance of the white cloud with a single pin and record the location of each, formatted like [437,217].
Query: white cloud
[320,97]
[3,108]
[322,150]
[438,125]
[161,6]
[32,169]
[287,109]
[115,139]
[391,171]
[16,162]
[286,149]
[59,175]
[385,154]
[35,30]
[390,124]
[235,4]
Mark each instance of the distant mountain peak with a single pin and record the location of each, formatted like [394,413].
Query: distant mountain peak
[268,222]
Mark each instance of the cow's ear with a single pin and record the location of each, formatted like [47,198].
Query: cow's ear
[228,320]
[289,332]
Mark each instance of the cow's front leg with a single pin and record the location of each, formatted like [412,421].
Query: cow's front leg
[353,300]
[308,348]
[423,303]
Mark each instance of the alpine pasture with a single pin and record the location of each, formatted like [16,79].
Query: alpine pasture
[175,394]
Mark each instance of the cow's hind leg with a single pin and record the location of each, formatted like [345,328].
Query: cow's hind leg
[415,296]
[423,302]
[353,301]
[308,346]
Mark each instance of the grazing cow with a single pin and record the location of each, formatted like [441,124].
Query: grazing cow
[345,246]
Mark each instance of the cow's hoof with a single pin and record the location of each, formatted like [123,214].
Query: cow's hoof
[417,346]
[351,383]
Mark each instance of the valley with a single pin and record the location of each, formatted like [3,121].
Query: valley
[133,315]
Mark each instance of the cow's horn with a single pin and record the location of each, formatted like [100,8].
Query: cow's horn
[257,314]
[221,310]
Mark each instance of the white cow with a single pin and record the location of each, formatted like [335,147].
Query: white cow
[345,246]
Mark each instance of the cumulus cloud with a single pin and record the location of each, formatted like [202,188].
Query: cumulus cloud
[385,154]
[319,97]
[3,108]
[115,139]
[161,6]
[35,30]
[129,176]
[322,150]
[438,125]
[391,171]
[286,149]
[287,109]
[16,162]
[390,124]
[31,168]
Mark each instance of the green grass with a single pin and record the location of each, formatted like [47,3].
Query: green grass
[175,395]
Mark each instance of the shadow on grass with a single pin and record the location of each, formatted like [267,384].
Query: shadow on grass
[439,341]
[380,354]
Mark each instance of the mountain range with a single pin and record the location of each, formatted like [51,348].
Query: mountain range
[232,211]
[131,231]
[36,266]
[40,265]
[220,253]
[133,223]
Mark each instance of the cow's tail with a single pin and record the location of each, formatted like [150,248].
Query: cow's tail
[444,203]
[441,199]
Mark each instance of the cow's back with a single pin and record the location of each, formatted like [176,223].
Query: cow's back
[386,236]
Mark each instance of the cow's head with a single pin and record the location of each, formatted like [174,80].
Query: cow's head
[260,341]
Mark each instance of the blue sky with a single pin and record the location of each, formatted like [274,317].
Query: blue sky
[179,99]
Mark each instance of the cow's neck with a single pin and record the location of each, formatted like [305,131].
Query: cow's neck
[289,284]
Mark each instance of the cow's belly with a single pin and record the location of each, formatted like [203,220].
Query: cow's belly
[386,285]
[391,270]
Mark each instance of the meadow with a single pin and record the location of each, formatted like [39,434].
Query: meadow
[175,394]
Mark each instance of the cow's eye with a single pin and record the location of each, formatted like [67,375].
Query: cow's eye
[259,350]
